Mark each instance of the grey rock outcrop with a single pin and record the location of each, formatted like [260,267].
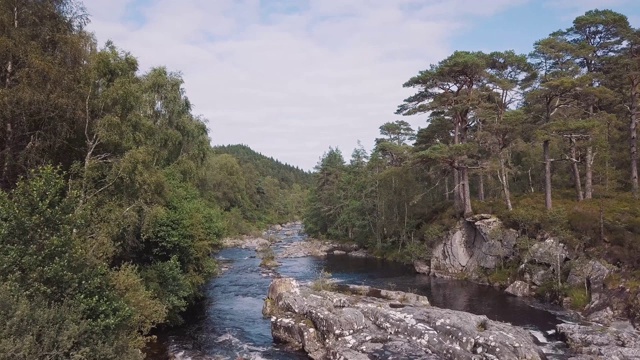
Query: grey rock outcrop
[592,272]
[549,252]
[597,342]
[367,323]
[544,261]
[477,242]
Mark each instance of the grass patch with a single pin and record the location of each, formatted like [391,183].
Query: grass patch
[579,297]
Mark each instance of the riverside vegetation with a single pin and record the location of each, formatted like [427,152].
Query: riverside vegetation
[545,141]
[111,197]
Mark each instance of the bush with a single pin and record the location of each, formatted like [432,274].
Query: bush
[503,276]
[268,257]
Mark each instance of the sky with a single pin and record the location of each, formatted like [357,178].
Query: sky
[291,78]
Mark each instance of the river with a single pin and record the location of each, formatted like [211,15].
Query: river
[229,323]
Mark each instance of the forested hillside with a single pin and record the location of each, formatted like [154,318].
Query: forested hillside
[266,166]
[547,141]
[111,197]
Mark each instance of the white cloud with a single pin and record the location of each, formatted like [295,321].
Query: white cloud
[287,80]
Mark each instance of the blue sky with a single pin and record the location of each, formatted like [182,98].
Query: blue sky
[292,77]
[519,27]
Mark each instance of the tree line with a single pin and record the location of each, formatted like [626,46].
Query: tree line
[111,197]
[546,140]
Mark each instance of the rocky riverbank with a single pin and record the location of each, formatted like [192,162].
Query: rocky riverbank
[362,323]
[481,249]
[246,242]
[274,233]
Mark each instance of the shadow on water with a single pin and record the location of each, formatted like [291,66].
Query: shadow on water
[229,323]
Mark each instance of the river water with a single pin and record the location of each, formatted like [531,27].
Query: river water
[229,323]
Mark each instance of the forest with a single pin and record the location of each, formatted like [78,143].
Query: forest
[112,199]
[546,141]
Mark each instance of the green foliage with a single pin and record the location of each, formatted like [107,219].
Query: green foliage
[171,285]
[549,292]
[45,260]
[503,275]
[34,328]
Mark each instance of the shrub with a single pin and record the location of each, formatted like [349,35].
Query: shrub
[323,282]
[268,257]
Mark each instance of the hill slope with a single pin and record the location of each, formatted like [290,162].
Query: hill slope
[266,166]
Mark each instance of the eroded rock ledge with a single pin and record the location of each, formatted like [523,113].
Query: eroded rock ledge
[360,322]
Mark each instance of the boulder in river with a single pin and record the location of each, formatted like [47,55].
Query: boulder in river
[519,288]
[364,323]
[422,267]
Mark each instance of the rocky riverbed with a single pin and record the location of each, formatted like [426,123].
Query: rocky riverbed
[320,248]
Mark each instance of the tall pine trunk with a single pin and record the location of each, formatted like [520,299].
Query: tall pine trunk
[575,169]
[588,176]
[446,188]
[547,174]
[481,187]
[504,181]
[468,211]
[458,197]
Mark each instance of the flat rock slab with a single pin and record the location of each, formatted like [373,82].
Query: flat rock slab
[367,323]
